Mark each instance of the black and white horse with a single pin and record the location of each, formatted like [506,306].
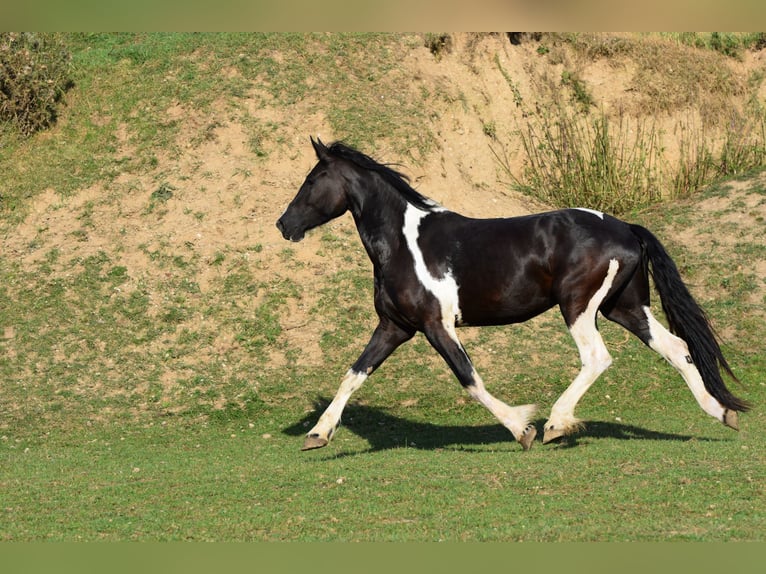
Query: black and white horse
[436,270]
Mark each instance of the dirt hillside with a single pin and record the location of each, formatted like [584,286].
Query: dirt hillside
[224,201]
[242,196]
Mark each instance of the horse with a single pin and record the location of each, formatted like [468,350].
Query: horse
[436,270]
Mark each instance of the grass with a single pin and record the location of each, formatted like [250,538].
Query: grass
[616,165]
[239,482]
[573,161]
[414,460]
[169,403]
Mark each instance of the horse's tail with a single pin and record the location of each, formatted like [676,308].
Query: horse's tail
[688,321]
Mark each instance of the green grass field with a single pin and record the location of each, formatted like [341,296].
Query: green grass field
[148,406]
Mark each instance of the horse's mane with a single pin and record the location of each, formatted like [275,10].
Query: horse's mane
[394,178]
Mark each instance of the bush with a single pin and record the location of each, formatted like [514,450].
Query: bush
[438,44]
[34,74]
[616,165]
[575,160]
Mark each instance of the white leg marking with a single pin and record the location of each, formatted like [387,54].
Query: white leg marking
[444,289]
[598,214]
[594,357]
[676,352]
[515,419]
[330,419]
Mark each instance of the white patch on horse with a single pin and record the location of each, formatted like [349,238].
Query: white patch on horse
[676,352]
[598,214]
[515,419]
[330,419]
[594,357]
[445,289]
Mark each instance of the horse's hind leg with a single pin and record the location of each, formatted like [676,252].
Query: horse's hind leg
[516,419]
[631,310]
[386,338]
[676,352]
[594,357]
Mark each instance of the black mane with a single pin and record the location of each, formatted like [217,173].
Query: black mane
[394,178]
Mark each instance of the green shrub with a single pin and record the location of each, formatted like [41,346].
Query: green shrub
[726,44]
[34,74]
[438,44]
[576,160]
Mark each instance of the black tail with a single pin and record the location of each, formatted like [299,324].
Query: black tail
[688,321]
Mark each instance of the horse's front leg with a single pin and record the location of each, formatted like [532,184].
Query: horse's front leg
[386,338]
[516,419]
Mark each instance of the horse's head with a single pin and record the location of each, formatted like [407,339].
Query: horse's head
[320,198]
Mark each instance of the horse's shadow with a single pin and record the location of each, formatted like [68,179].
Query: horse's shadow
[384,431]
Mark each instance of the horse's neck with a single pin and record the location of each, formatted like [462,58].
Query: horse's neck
[379,216]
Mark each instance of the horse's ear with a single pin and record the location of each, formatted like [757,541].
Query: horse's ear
[320,149]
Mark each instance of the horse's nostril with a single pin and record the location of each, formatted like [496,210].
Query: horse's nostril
[281,227]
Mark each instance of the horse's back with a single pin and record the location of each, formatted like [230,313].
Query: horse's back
[512,269]
[543,237]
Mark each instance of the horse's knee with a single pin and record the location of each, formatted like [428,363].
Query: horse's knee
[603,362]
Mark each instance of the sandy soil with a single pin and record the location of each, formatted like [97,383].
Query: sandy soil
[225,199]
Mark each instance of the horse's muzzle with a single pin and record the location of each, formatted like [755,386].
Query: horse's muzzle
[290,235]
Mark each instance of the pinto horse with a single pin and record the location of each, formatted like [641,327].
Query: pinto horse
[435,270]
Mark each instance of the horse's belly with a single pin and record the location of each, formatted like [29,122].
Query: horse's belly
[489,312]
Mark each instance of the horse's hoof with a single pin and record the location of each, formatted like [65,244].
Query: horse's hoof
[552,434]
[731,419]
[314,441]
[528,438]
